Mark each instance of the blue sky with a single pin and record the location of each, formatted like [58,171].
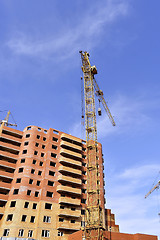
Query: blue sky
[40,70]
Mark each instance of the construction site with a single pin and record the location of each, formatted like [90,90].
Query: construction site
[52,183]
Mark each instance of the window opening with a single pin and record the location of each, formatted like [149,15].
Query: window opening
[13,204]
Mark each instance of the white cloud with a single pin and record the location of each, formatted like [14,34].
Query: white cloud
[84,35]
[125,196]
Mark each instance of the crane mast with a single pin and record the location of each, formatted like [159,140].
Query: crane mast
[94,217]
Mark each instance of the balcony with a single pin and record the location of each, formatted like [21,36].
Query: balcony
[69,226]
[6,174]
[66,152]
[69,213]
[70,171]
[3,197]
[12,157]
[5,185]
[10,146]
[68,161]
[70,201]
[71,145]
[7,164]
[64,179]
[14,139]
[70,190]
[12,132]
[70,137]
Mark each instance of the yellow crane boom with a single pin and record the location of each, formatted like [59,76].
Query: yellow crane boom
[155,187]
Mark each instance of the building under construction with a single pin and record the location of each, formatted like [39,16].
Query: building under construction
[43,186]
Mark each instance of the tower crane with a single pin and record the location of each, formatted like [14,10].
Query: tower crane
[94,217]
[155,187]
[6,123]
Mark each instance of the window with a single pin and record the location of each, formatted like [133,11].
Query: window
[44,139]
[36,144]
[73,221]
[26,204]
[20,170]
[55,139]
[36,194]
[13,204]
[82,223]
[39,129]
[61,219]
[24,151]
[6,232]
[47,219]
[38,183]
[35,153]
[53,164]
[21,232]
[62,207]
[45,131]
[18,180]
[83,164]
[23,160]
[30,181]
[29,192]
[34,206]
[27,135]
[40,173]
[84,190]
[49,194]
[83,200]
[32,171]
[73,209]
[45,233]
[42,154]
[29,128]
[53,155]
[15,191]
[9,217]
[34,162]
[83,181]
[60,234]
[48,206]
[51,173]
[41,164]
[55,131]
[24,217]
[50,183]
[26,143]
[54,147]
[32,220]
[43,146]
[30,233]
[84,172]
[38,137]
[82,212]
